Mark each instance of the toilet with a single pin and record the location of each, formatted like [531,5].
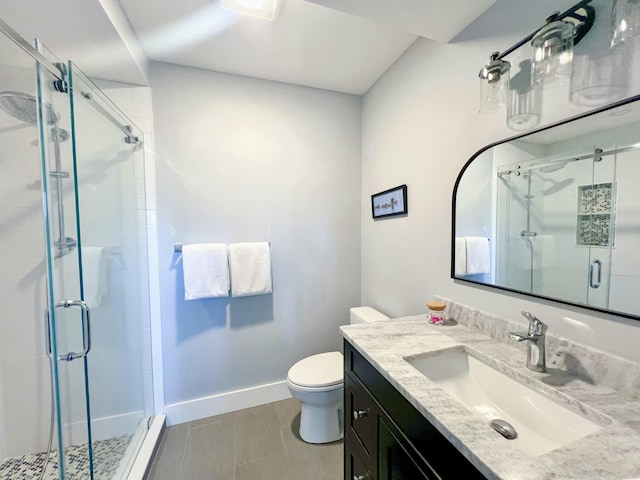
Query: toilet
[317,381]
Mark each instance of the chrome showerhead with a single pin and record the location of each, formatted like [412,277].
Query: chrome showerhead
[24,107]
[554,167]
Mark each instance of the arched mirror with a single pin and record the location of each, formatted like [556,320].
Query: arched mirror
[555,213]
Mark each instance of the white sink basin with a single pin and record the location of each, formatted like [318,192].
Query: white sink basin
[541,424]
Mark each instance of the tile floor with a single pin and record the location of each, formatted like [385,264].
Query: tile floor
[260,443]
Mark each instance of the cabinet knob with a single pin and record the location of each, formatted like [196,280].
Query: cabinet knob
[359,414]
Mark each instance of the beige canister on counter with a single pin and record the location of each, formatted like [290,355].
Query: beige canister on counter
[437,312]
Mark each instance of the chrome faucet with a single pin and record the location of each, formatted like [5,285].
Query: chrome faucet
[535,342]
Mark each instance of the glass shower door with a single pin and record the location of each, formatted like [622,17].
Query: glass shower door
[67,317]
[597,205]
[109,162]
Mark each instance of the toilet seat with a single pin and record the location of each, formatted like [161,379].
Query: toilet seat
[301,389]
[318,373]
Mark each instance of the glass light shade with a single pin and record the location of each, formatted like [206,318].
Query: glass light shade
[493,95]
[602,79]
[523,109]
[494,84]
[552,53]
[626,21]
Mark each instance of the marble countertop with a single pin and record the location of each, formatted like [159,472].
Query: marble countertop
[612,453]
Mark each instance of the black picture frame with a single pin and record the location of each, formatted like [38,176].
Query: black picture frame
[390,203]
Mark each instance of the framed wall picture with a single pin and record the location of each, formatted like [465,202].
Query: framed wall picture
[390,203]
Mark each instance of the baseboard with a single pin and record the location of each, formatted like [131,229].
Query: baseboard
[226,402]
[103,428]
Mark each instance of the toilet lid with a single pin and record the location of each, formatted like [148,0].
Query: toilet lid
[319,370]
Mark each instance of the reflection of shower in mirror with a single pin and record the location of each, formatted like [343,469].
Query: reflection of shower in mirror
[562,209]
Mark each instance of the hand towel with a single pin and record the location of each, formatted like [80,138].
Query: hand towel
[94,274]
[478,255]
[461,257]
[250,265]
[206,270]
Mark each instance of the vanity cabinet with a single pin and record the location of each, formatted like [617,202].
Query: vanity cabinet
[387,438]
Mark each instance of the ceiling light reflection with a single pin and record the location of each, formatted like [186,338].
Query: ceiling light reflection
[200,25]
[258,8]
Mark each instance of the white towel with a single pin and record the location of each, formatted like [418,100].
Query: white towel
[94,274]
[461,257]
[478,255]
[206,270]
[250,265]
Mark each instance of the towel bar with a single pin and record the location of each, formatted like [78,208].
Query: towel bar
[177,247]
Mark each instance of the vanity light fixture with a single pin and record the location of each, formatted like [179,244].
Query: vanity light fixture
[552,52]
[494,84]
[257,8]
[551,57]
[626,21]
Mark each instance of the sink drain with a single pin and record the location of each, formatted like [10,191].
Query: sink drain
[504,428]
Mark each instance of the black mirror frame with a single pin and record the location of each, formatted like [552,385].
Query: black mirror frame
[605,108]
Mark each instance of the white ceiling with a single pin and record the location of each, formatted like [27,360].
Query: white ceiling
[342,45]
[306,44]
[435,19]
[75,29]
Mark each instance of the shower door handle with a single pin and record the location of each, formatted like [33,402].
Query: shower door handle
[47,330]
[47,327]
[592,267]
[86,330]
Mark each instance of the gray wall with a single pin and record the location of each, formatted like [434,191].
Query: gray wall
[420,125]
[241,159]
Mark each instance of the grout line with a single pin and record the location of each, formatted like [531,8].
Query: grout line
[184,451]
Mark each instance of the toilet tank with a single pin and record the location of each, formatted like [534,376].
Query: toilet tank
[366,314]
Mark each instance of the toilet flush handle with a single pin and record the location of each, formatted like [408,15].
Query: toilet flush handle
[359,414]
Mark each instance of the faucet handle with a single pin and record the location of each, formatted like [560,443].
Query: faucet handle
[536,327]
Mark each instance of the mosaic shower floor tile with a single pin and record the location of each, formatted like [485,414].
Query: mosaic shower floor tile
[106,459]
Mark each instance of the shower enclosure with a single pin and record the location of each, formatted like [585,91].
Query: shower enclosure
[75,351]
[565,225]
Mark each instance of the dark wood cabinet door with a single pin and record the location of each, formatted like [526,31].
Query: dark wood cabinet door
[361,414]
[357,469]
[394,462]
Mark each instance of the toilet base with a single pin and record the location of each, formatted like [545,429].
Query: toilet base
[321,424]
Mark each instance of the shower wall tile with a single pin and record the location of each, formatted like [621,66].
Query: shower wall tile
[136,104]
[15,326]
[24,366]
[626,260]
[22,284]
[624,293]
[19,350]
